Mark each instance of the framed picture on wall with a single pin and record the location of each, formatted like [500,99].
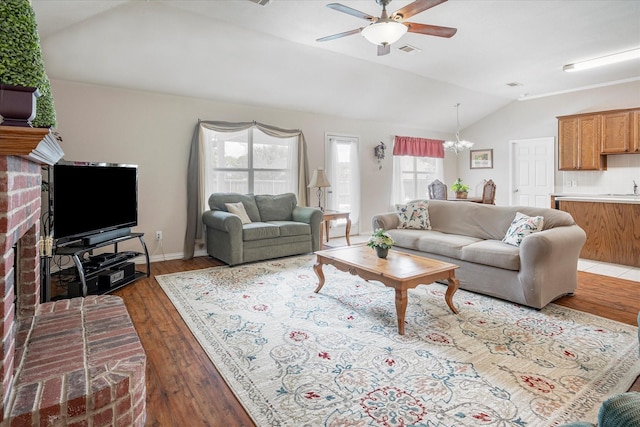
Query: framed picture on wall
[481,159]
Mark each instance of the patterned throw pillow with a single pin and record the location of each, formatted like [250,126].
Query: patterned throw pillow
[522,226]
[238,209]
[415,215]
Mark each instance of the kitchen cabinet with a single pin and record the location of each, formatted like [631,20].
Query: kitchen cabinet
[579,143]
[635,132]
[613,231]
[616,129]
[621,131]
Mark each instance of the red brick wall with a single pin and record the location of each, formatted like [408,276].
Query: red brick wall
[20,188]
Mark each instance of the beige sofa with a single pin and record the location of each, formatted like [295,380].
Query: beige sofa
[541,269]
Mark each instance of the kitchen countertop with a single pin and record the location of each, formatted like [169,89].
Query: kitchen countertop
[601,198]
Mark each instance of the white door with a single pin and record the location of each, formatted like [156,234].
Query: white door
[343,171]
[532,177]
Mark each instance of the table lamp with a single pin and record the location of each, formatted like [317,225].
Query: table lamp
[319,180]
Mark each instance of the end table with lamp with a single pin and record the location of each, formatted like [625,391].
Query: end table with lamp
[319,180]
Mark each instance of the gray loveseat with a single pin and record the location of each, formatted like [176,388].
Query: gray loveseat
[277,228]
[541,269]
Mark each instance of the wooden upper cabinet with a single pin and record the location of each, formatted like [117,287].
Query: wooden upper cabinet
[579,143]
[634,146]
[616,131]
[567,143]
[589,147]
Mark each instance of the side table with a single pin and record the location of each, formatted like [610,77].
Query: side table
[327,216]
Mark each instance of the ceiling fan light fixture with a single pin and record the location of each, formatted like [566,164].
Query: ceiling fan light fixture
[603,60]
[384,32]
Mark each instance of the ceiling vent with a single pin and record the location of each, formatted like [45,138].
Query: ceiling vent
[407,48]
[261,2]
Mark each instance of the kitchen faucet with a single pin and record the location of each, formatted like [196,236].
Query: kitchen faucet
[635,188]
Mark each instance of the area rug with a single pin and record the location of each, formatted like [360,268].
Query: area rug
[297,358]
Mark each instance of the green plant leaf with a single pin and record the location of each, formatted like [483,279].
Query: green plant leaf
[21,61]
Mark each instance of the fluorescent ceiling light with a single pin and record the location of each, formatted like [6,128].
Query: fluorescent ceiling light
[603,60]
[384,31]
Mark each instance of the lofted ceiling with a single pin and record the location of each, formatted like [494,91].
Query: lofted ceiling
[239,51]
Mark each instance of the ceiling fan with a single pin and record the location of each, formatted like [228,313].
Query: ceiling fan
[385,30]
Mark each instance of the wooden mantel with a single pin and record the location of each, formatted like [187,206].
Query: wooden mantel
[37,144]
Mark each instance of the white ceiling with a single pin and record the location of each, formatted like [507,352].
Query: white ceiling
[239,51]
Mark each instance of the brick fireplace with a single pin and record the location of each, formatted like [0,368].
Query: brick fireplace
[71,362]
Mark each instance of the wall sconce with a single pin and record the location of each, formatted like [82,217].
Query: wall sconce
[379,153]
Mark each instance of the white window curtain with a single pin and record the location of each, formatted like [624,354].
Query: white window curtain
[344,175]
[199,180]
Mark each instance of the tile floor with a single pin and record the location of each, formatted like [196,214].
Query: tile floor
[596,267]
[613,270]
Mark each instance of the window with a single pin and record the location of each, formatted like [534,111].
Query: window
[249,161]
[412,175]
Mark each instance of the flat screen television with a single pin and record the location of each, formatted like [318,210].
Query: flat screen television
[90,199]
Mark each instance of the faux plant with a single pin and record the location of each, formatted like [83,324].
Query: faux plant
[21,61]
[459,187]
[380,239]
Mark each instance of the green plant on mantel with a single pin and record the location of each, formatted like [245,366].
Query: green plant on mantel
[459,187]
[21,61]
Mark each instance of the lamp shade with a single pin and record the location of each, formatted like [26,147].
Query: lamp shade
[319,179]
[384,32]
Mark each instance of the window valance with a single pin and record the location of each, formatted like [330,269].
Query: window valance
[418,147]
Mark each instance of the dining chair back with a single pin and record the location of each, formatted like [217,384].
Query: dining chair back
[489,192]
[437,190]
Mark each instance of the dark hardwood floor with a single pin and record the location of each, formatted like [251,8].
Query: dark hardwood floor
[184,388]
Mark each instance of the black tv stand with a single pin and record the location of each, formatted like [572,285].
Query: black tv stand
[84,275]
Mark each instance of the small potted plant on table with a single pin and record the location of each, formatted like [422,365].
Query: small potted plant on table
[381,241]
[460,189]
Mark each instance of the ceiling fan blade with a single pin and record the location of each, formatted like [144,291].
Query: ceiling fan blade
[384,49]
[337,36]
[414,8]
[430,30]
[346,9]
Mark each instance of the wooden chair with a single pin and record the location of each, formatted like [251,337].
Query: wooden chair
[437,190]
[489,192]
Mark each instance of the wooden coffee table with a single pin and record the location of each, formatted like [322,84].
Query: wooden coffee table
[399,270]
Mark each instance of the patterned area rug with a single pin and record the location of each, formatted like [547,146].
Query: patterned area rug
[296,358]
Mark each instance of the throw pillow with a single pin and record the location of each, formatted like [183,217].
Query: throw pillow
[238,209]
[415,215]
[522,226]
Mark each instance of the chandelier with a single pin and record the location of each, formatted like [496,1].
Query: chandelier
[457,145]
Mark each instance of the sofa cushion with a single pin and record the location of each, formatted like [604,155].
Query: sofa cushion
[276,207]
[450,245]
[414,215]
[487,221]
[521,226]
[405,238]
[260,230]
[217,203]
[494,253]
[238,209]
[292,228]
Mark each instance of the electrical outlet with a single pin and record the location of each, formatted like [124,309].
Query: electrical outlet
[158,235]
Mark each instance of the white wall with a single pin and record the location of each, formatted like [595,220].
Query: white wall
[154,131]
[537,118]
